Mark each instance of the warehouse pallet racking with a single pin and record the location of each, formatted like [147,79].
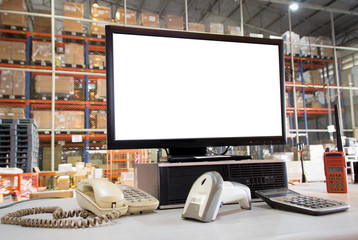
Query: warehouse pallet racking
[86,77]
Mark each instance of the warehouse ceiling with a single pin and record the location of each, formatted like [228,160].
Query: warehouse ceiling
[266,17]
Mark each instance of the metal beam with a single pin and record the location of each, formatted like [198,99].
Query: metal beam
[315,7]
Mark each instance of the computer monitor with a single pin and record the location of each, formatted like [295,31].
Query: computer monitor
[186,91]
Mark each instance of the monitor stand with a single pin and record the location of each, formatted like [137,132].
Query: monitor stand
[198,155]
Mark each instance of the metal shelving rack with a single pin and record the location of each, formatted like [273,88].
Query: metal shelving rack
[95,138]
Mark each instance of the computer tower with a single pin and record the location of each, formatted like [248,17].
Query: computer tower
[170,183]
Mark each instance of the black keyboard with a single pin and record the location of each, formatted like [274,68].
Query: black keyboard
[286,199]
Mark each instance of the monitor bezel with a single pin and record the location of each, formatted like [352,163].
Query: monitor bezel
[185,143]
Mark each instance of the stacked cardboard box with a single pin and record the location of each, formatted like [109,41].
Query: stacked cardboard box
[150,20]
[216,28]
[101,88]
[46,158]
[12,112]
[63,119]
[101,120]
[174,22]
[233,30]
[73,10]
[74,54]
[299,99]
[41,51]
[295,41]
[63,84]
[42,24]
[323,51]
[130,15]
[97,61]
[313,102]
[312,76]
[14,19]
[12,83]
[196,27]
[99,13]
[13,51]
[307,49]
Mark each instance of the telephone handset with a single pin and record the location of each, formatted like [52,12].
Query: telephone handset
[98,196]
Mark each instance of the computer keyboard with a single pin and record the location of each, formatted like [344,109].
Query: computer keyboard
[289,200]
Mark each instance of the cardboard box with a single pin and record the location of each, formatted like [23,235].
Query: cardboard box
[71,9]
[42,24]
[174,22]
[41,51]
[63,183]
[63,119]
[308,50]
[18,51]
[5,50]
[216,28]
[101,120]
[69,119]
[295,40]
[74,159]
[64,84]
[314,104]
[233,30]
[98,28]
[74,54]
[55,193]
[98,61]
[312,76]
[13,19]
[101,88]
[131,16]
[18,5]
[12,83]
[18,83]
[46,158]
[150,20]
[13,50]
[12,112]
[196,27]
[100,12]
[6,82]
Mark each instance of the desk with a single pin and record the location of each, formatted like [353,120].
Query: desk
[261,222]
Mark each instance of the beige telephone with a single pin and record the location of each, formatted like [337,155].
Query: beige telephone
[99,196]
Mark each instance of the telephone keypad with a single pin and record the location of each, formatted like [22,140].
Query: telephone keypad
[138,200]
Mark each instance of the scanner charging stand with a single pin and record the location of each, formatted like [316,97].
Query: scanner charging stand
[209,192]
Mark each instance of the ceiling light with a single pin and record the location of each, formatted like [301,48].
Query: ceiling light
[294,6]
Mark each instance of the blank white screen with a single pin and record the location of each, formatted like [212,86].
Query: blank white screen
[172,88]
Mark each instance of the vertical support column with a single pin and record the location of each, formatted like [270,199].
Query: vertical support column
[304,101]
[290,117]
[53,86]
[293,77]
[186,16]
[341,96]
[241,19]
[350,82]
[28,75]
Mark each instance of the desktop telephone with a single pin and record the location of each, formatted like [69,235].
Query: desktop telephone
[99,196]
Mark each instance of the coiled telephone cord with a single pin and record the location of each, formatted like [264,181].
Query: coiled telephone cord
[15,218]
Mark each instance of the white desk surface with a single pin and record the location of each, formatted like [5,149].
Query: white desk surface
[262,222]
